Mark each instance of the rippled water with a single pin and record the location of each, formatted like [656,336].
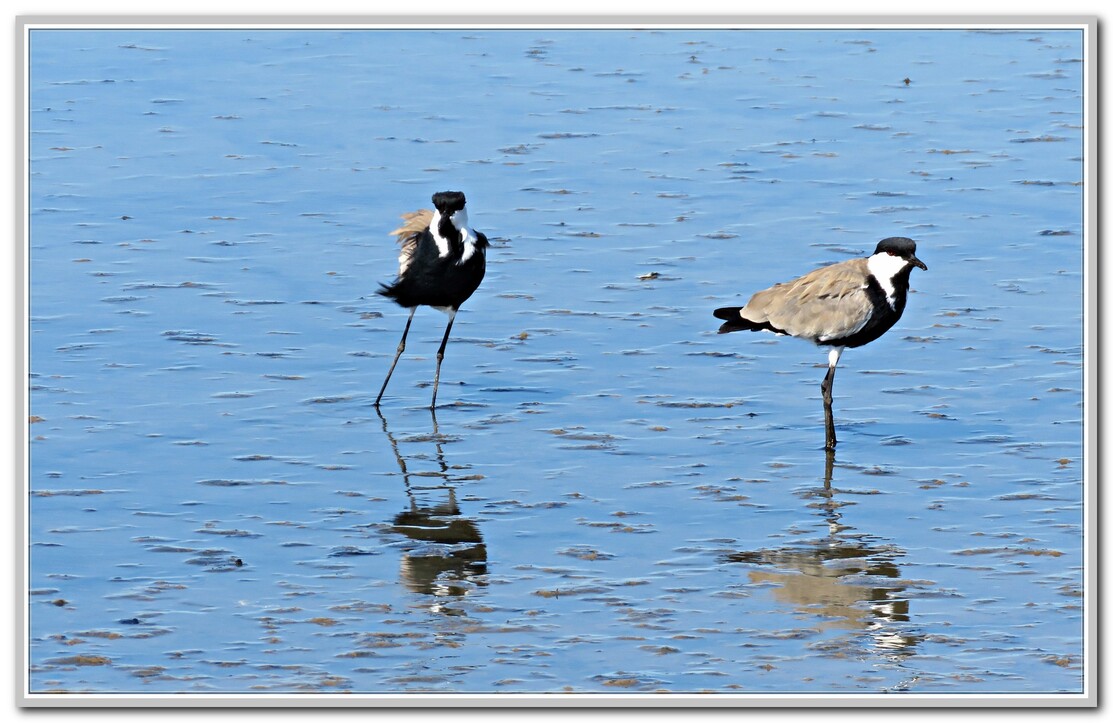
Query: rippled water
[612,498]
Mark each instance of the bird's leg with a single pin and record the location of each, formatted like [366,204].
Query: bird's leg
[828,414]
[440,356]
[827,387]
[398,353]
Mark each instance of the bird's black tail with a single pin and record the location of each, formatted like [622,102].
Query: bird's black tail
[736,322]
[399,292]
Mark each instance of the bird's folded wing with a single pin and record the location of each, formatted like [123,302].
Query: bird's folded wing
[414,223]
[827,303]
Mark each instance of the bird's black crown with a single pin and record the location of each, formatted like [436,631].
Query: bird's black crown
[448,202]
[897,245]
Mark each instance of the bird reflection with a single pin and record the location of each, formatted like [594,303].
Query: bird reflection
[846,579]
[448,558]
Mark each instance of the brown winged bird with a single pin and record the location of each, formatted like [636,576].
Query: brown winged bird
[842,306]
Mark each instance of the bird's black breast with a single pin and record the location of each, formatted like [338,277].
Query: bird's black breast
[883,316]
[435,280]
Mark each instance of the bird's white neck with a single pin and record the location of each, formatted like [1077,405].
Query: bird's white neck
[459,220]
[883,267]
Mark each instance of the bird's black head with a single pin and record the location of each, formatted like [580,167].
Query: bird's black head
[448,202]
[901,247]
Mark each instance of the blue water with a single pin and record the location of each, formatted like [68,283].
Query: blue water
[611,498]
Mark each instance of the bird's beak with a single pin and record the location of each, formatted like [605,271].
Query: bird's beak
[916,262]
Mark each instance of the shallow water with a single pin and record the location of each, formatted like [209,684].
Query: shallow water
[612,497]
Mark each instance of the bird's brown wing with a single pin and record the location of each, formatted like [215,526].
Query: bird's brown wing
[413,225]
[828,303]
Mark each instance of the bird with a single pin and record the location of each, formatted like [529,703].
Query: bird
[841,306]
[441,263]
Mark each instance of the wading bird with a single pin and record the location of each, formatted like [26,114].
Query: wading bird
[441,263]
[842,306]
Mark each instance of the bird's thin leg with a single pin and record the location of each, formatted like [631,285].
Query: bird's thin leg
[827,388]
[440,356]
[828,414]
[398,353]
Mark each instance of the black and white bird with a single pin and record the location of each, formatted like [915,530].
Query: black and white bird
[441,264]
[842,306]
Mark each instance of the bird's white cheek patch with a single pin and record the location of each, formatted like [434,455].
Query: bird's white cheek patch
[884,267]
[467,236]
[443,246]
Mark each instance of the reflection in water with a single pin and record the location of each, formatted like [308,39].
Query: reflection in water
[846,579]
[448,558]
